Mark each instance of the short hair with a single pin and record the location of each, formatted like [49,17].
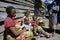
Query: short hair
[9,8]
[26,19]
[34,17]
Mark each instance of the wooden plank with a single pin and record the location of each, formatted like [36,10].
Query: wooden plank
[18,10]
[2,16]
[21,2]
[3,4]
[2,9]
[1,28]
[30,1]
[19,15]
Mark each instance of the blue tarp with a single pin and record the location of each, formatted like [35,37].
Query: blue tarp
[47,1]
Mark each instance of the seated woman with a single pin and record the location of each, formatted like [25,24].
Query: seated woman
[10,23]
[27,14]
[38,28]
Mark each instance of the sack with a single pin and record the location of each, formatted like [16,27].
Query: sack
[29,35]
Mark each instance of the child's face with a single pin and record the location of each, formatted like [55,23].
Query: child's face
[34,18]
[13,13]
[27,21]
[27,13]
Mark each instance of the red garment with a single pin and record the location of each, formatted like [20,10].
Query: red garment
[9,22]
[34,22]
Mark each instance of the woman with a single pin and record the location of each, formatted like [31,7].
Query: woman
[55,10]
[10,23]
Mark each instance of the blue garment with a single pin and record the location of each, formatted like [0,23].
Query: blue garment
[54,18]
[54,15]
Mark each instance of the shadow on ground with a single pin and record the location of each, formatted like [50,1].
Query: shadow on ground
[51,30]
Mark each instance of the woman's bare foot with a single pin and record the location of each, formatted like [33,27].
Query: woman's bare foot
[48,35]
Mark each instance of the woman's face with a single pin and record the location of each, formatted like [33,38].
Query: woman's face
[28,13]
[13,12]
[55,3]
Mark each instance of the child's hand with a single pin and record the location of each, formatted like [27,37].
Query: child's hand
[24,30]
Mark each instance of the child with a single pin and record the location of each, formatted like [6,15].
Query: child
[38,28]
[35,24]
[27,26]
